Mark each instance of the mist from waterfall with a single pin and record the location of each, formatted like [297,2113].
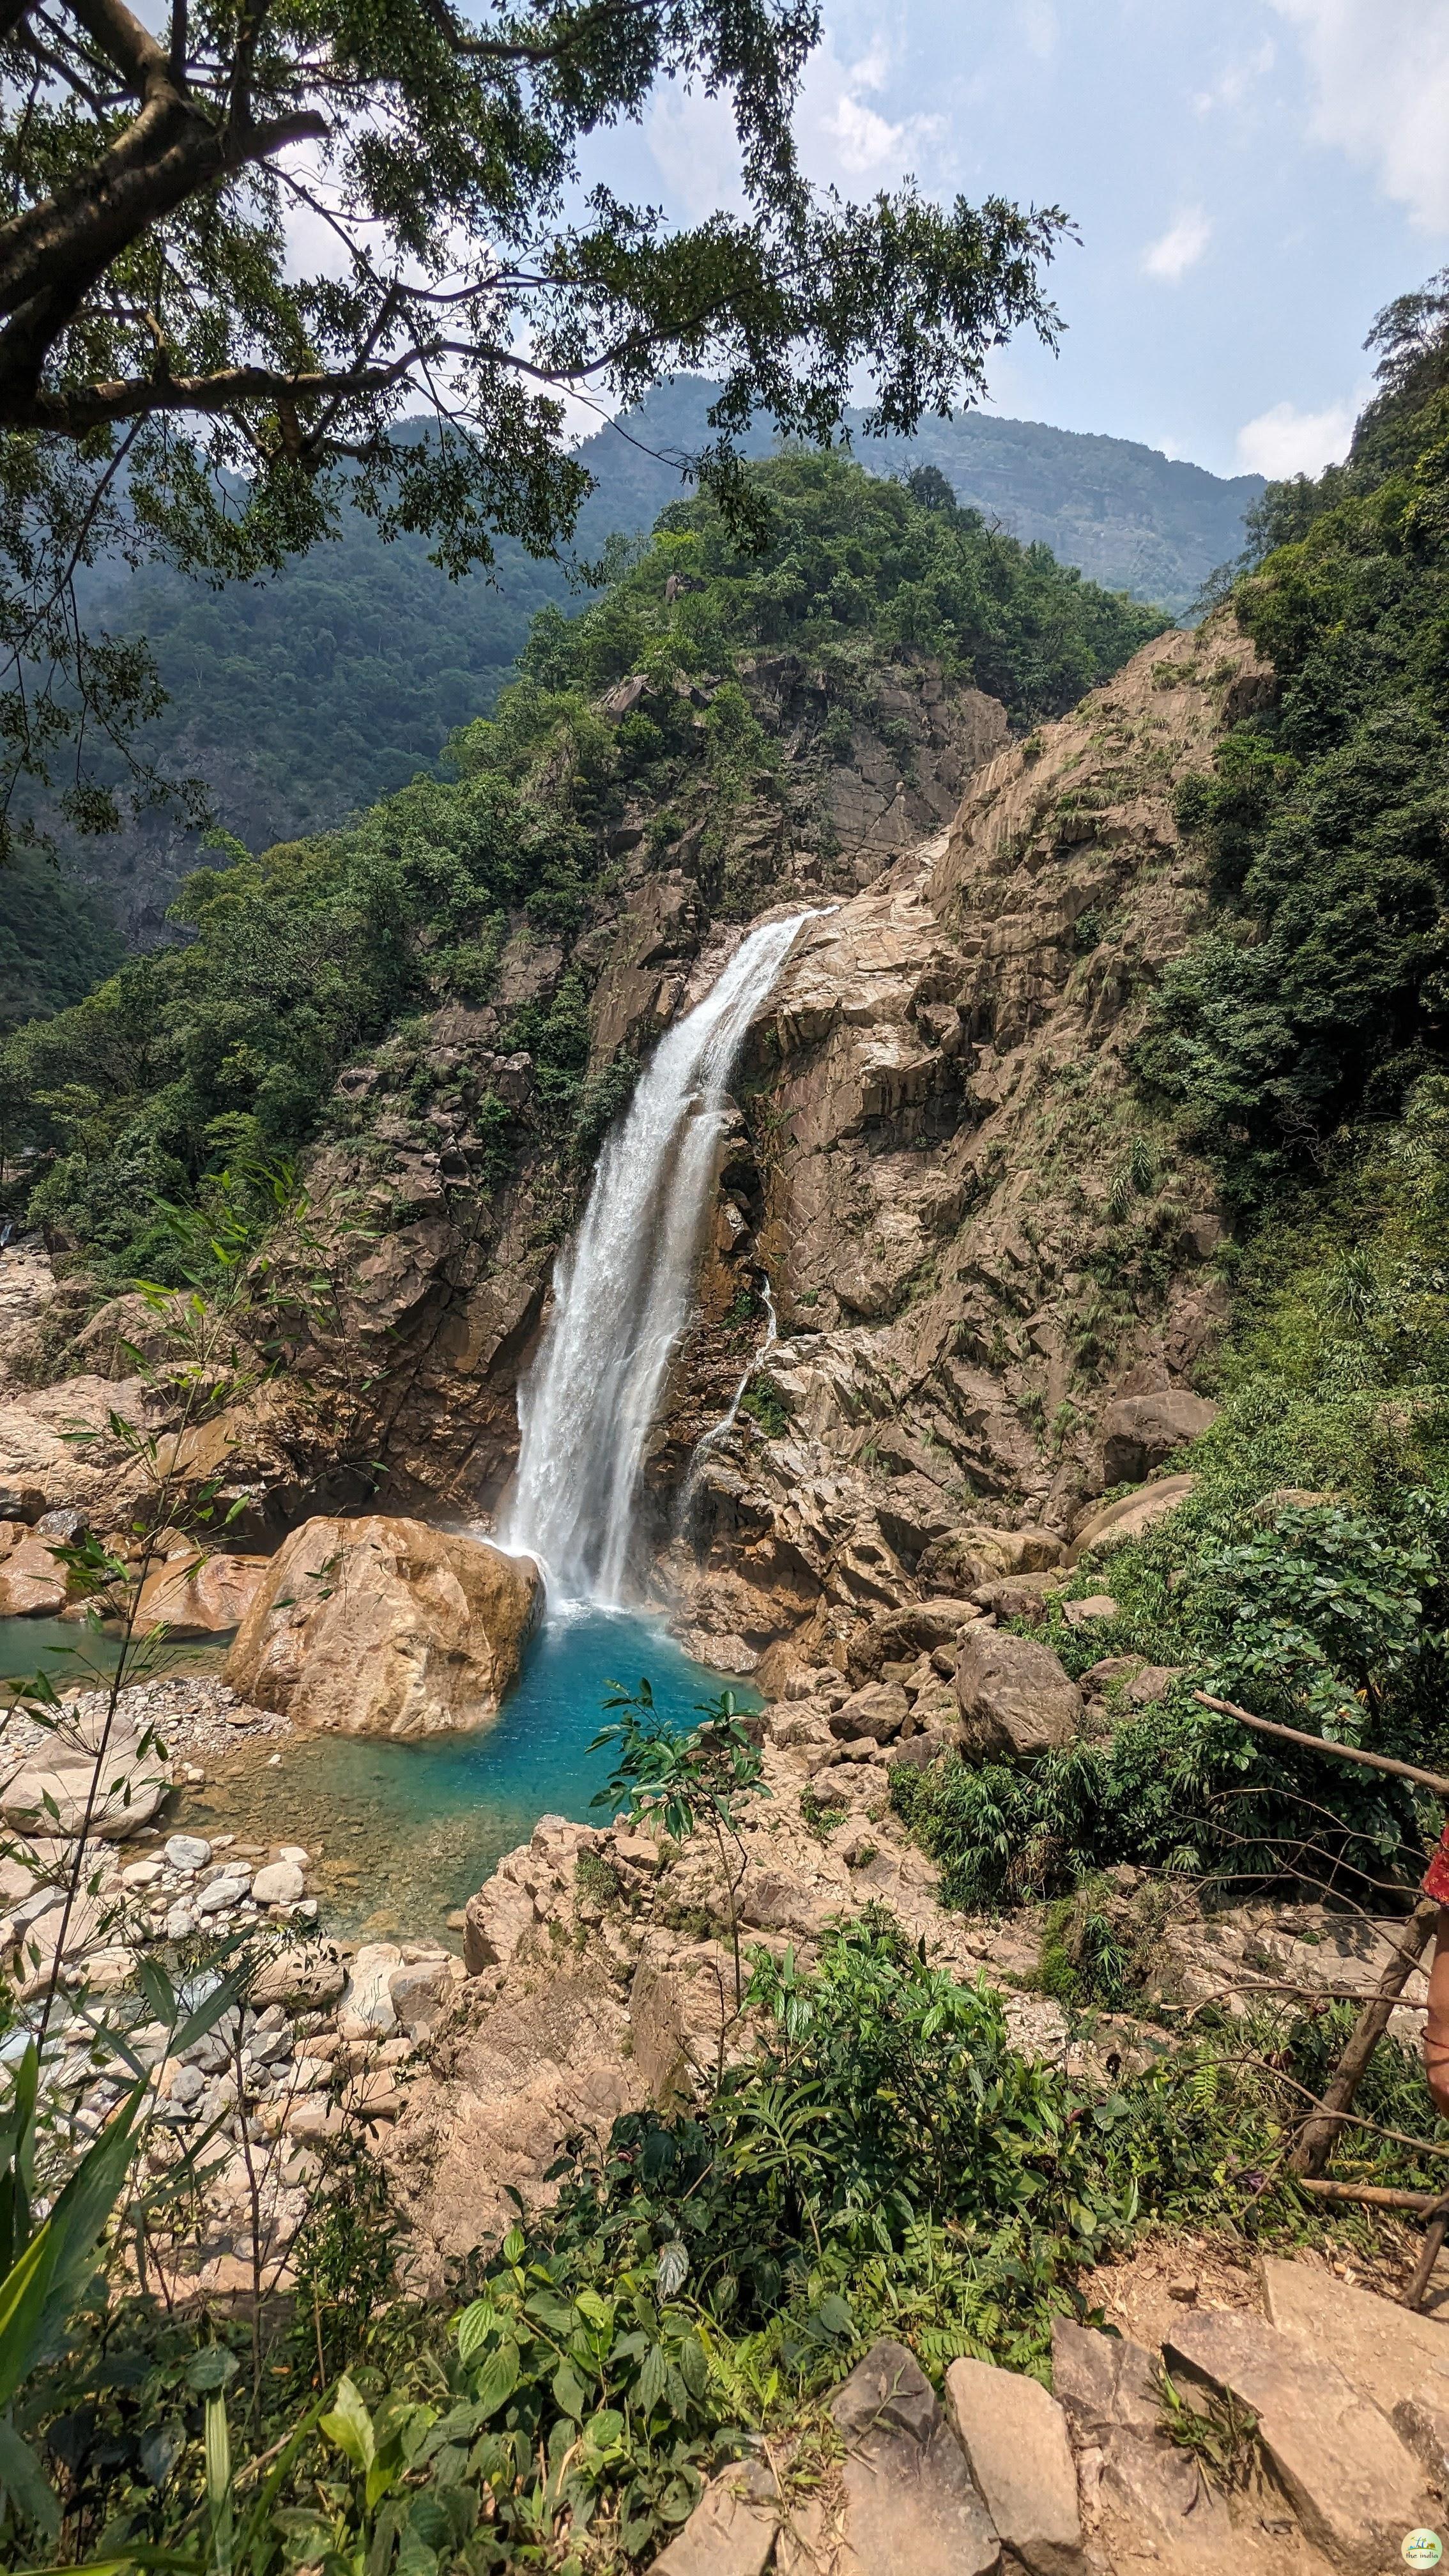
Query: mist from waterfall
[624,1288]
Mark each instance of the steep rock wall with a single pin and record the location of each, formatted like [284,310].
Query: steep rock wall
[974,1232]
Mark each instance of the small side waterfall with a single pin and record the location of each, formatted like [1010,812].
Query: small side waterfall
[623,1289]
[720,1430]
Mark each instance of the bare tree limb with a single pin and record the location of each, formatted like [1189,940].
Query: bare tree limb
[1434,1780]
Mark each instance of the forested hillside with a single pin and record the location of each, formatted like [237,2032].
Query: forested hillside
[1300,1044]
[230,1047]
[304,698]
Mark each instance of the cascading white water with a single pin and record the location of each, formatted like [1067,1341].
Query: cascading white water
[623,1289]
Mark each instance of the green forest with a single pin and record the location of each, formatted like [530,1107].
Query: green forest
[225,1050]
[301,698]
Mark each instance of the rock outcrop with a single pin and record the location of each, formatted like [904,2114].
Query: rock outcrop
[944,1151]
[385,1627]
[195,1595]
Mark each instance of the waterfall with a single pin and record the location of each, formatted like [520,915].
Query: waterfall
[623,1291]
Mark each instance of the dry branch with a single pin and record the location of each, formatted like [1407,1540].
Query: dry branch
[1320,1744]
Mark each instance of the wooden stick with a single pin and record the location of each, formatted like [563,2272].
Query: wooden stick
[1319,1744]
[1373,2195]
[1434,2235]
[1320,2130]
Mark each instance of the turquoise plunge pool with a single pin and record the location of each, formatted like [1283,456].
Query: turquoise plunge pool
[403,1833]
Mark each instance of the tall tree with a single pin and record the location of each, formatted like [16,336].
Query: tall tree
[243,253]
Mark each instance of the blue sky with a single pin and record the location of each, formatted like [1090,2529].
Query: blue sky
[1251,181]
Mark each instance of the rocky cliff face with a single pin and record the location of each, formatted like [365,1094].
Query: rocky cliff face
[973,1238]
[454,1234]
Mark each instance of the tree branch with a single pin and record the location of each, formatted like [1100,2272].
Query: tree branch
[73,415]
[125,42]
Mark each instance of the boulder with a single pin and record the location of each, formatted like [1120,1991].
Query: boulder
[851,1784]
[383,1626]
[201,1596]
[918,1752]
[1388,2351]
[1139,1431]
[912,1630]
[21,1503]
[1354,2486]
[495,1920]
[419,1993]
[1019,1596]
[909,2507]
[731,2531]
[306,1977]
[1153,1683]
[1094,1605]
[957,1563]
[32,1581]
[879,1711]
[1015,2439]
[1014,1695]
[1108,2390]
[368,1993]
[280,1883]
[52,1797]
[1113,1524]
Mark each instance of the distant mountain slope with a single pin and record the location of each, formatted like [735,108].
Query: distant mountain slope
[1126,515]
[309,697]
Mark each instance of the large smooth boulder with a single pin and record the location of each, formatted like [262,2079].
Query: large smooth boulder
[32,1581]
[1014,1695]
[201,1596]
[385,1627]
[50,1793]
[1113,1524]
[1139,1431]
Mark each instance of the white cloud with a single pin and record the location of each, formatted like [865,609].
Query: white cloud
[1380,71]
[693,142]
[1238,82]
[1285,440]
[1180,248]
[1039,26]
[841,137]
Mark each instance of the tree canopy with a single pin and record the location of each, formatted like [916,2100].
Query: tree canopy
[176,380]
[1318,995]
